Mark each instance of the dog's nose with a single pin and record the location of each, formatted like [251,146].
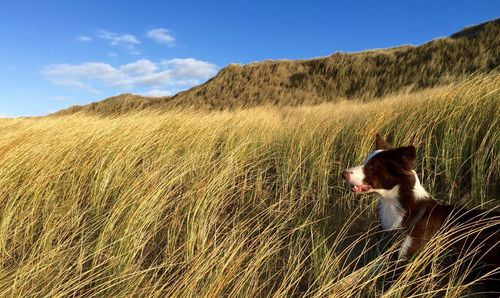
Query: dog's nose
[346,174]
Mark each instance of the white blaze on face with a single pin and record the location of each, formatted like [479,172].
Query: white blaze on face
[356,175]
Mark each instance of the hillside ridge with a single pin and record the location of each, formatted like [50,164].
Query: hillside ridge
[364,75]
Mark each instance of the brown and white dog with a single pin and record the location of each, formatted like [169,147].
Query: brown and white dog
[405,205]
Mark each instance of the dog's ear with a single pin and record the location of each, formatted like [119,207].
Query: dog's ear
[405,156]
[381,144]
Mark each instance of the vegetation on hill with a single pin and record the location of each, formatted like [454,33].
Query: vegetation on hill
[114,105]
[245,203]
[364,75]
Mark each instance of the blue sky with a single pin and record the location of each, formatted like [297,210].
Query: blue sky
[54,54]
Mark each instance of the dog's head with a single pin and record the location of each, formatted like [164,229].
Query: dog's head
[383,169]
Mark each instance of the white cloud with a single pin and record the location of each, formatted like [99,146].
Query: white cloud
[143,73]
[73,83]
[126,41]
[162,36]
[116,39]
[157,93]
[89,68]
[84,38]
[190,67]
[142,66]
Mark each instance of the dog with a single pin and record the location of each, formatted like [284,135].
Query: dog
[405,205]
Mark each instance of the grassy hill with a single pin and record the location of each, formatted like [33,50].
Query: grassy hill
[247,203]
[366,75]
[114,105]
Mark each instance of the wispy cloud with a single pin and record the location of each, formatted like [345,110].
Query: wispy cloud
[173,73]
[83,38]
[189,67]
[157,93]
[116,39]
[162,36]
[73,83]
[126,41]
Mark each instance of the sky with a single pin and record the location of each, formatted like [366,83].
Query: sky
[55,54]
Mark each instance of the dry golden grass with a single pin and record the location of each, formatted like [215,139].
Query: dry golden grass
[242,203]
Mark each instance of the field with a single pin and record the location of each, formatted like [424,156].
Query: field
[243,203]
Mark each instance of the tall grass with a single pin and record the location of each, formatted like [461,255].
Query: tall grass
[242,203]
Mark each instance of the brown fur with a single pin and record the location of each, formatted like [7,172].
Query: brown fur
[424,217]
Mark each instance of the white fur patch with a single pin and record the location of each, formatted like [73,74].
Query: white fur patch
[405,246]
[418,190]
[389,209]
[357,175]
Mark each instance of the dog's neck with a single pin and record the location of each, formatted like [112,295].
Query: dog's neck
[400,203]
